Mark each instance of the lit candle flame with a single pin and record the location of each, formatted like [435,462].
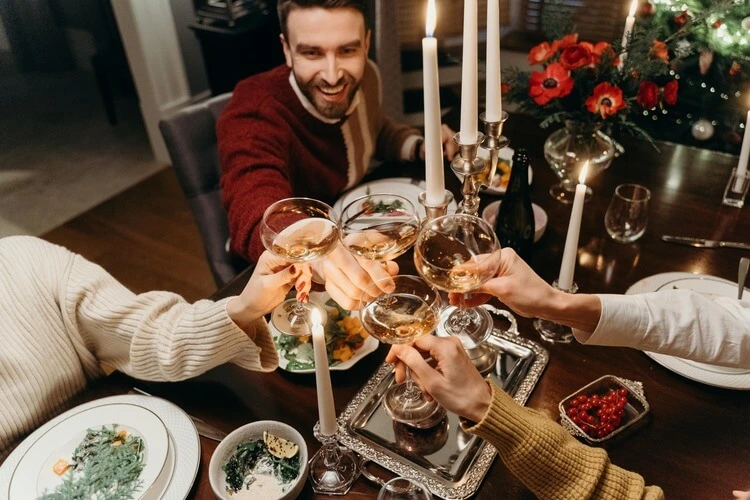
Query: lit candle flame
[431,18]
[582,175]
[633,6]
[315,317]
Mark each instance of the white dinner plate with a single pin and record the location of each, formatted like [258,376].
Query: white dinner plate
[711,287]
[176,447]
[505,154]
[403,186]
[370,344]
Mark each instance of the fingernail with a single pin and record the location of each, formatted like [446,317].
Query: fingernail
[293,269]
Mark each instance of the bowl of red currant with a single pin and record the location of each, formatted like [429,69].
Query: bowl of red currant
[603,408]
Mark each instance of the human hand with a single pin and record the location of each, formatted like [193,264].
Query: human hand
[450,148]
[271,280]
[741,495]
[347,277]
[454,382]
[516,285]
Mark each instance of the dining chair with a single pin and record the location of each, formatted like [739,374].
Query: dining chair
[190,137]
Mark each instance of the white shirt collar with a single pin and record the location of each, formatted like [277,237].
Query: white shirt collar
[311,108]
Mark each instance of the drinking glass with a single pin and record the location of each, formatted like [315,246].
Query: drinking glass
[299,230]
[404,488]
[408,311]
[458,253]
[627,215]
[379,226]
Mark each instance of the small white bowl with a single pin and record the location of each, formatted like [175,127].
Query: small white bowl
[251,432]
[489,214]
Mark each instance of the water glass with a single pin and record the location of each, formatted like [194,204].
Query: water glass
[404,488]
[627,215]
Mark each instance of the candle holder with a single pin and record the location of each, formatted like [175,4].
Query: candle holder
[736,190]
[435,211]
[467,165]
[333,468]
[555,332]
[494,141]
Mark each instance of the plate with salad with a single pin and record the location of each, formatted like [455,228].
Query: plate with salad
[346,340]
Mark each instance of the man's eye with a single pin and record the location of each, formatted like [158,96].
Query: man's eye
[310,54]
[349,51]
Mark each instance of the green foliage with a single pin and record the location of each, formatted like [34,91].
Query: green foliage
[102,468]
[246,457]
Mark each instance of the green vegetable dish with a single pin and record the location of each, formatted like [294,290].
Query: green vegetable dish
[106,464]
[344,335]
[267,466]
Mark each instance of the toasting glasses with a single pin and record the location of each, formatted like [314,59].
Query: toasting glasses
[299,230]
[459,253]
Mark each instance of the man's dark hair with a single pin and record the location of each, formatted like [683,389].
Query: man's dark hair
[284,7]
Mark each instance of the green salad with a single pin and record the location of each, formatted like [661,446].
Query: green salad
[344,335]
[106,464]
[268,457]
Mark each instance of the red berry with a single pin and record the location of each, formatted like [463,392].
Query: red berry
[623,392]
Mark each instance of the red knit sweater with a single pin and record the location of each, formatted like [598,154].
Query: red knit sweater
[272,148]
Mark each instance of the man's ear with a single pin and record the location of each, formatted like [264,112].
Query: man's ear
[367,41]
[287,50]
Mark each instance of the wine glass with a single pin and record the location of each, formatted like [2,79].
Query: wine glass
[404,488]
[379,226]
[299,230]
[458,253]
[408,311]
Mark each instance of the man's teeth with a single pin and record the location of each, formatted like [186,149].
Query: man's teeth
[332,90]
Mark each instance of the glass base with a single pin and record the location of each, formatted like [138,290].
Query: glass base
[333,469]
[471,326]
[293,318]
[412,408]
[553,332]
[565,192]
[483,357]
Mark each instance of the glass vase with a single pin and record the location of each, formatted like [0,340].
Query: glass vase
[566,150]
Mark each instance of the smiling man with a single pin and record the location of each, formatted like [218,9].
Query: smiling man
[310,128]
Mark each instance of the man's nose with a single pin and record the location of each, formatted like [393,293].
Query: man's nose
[333,72]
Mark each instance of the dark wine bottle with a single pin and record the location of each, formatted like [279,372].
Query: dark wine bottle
[515,219]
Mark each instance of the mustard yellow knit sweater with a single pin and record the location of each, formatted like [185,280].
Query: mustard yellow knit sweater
[549,461]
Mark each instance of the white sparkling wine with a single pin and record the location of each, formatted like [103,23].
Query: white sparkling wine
[383,242]
[448,263]
[306,240]
[399,318]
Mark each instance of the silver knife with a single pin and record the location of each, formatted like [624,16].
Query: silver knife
[703,243]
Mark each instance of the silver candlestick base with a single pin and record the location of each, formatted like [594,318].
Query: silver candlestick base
[467,165]
[494,141]
[435,211]
[555,332]
[333,469]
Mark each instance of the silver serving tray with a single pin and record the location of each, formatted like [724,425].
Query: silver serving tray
[450,462]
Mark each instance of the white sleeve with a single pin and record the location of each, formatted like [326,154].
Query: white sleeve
[678,323]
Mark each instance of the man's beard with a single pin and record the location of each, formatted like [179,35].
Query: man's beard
[333,110]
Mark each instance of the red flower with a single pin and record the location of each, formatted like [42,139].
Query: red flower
[549,84]
[659,51]
[681,18]
[600,50]
[717,24]
[648,95]
[607,100]
[504,88]
[542,52]
[567,40]
[575,56]
[670,92]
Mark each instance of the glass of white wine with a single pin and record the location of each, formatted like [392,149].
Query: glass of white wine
[410,310]
[404,488]
[379,226]
[299,230]
[458,253]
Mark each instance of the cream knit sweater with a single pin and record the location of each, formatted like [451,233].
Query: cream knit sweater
[549,461]
[63,318]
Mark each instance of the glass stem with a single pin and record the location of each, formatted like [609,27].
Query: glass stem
[298,310]
[412,392]
[331,455]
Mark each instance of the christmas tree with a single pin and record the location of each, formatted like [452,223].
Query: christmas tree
[712,66]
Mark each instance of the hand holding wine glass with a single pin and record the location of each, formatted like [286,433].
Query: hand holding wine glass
[299,230]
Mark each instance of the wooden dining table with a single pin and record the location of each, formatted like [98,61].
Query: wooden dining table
[694,443]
